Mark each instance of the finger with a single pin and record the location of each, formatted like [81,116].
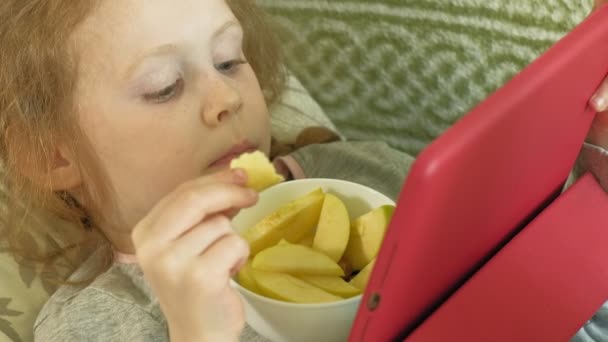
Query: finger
[222,259]
[190,208]
[236,176]
[197,240]
[237,267]
[599,100]
[231,213]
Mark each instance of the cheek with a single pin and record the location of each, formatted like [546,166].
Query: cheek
[144,161]
[261,116]
[99,132]
[112,140]
[149,147]
[253,98]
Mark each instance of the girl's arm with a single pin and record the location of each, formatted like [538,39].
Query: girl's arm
[373,164]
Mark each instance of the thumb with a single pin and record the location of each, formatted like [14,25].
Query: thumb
[599,101]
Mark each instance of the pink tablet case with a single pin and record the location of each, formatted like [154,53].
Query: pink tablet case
[542,286]
[482,181]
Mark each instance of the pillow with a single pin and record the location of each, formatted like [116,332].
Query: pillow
[22,293]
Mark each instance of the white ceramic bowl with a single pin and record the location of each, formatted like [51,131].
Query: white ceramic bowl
[281,321]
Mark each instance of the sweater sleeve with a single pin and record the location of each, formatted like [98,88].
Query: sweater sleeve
[97,316]
[373,164]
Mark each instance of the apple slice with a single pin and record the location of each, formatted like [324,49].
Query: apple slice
[307,240]
[333,230]
[260,171]
[291,222]
[366,236]
[333,285]
[246,279]
[296,260]
[361,279]
[289,288]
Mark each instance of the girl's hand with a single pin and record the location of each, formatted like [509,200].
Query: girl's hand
[188,252]
[598,134]
[600,100]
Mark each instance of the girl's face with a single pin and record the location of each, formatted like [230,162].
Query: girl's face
[165,95]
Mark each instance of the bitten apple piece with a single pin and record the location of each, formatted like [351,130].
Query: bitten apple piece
[288,288]
[366,236]
[360,280]
[260,171]
[291,222]
[333,285]
[296,260]
[333,230]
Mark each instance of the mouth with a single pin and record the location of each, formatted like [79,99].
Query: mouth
[235,151]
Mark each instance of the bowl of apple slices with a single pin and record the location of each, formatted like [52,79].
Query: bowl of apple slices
[313,245]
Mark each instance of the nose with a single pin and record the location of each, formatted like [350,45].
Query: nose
[223,100]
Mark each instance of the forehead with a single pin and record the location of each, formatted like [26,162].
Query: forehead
[118,29]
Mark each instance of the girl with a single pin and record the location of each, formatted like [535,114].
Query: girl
[121,118]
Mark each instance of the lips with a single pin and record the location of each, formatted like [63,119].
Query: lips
[234,152]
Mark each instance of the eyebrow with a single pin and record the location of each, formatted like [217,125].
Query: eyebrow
[224,28]
[172,48]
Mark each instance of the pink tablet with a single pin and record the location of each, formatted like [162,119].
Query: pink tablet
[474,187]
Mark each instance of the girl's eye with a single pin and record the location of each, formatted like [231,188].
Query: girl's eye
[230,67]
[165,94]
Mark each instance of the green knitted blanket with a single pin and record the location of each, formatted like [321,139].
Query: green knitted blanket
[403,71]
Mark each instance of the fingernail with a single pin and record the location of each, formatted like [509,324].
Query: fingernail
[240,173]
[600,103]
[237,267]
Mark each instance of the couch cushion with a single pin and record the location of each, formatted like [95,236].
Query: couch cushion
[404,70]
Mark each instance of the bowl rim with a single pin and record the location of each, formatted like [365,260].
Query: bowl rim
[326,305]
[273,301]
[312,180]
